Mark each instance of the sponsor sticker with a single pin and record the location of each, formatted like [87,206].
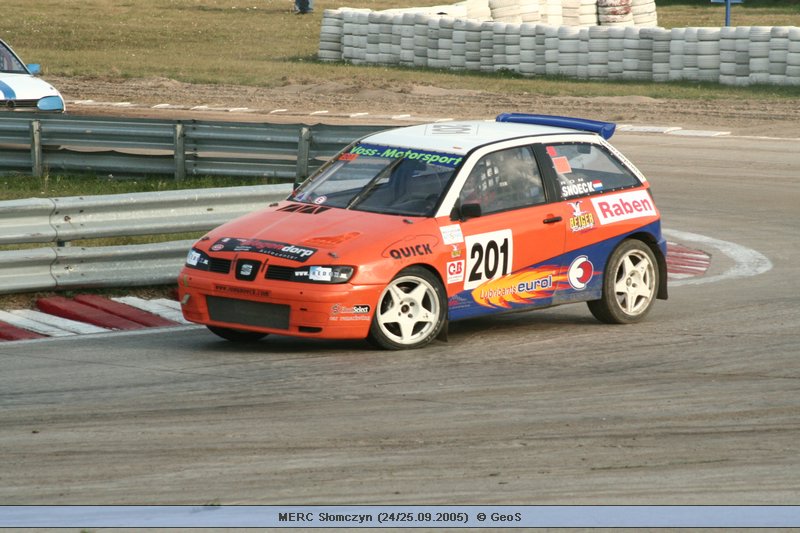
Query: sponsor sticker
[317,273]
[452,234]
[276,249]
[455,271]
[192,258]
[580,272]
[581,220]
[413,246]
[623,206]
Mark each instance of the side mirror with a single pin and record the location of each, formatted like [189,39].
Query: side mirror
[34,68]
[466,211]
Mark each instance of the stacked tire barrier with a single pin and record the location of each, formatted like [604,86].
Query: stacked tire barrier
[583,39]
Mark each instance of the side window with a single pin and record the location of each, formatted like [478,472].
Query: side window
[583,168]
[503,180]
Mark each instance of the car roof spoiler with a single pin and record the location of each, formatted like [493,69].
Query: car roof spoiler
[604,129]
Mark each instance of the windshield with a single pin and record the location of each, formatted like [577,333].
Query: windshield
[381,179]
[9,62]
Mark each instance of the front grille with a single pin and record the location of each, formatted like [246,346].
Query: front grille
[220,266]
[280,273]
[247,313]
[18,104]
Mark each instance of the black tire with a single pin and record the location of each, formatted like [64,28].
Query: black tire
[630,284]
[236,335]
[411,311]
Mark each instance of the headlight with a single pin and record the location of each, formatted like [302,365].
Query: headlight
[51,103]
[324,274]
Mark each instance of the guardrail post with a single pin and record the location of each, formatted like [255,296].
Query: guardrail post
[37,167]
[303,149]
[180,152]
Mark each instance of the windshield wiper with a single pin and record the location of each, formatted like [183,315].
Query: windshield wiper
[373,183]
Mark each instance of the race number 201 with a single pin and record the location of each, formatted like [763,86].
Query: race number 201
[489,256]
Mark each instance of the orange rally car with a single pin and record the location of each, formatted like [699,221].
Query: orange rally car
[409,228]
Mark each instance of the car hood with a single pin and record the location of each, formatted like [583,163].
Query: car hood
[24,87]
[330,229]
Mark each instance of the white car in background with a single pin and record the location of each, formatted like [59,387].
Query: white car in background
[21,90]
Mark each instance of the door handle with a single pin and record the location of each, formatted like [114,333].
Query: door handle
[552,220]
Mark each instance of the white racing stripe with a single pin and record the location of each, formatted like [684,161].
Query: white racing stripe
[748,262]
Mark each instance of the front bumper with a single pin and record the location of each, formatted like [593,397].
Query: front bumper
[339,311]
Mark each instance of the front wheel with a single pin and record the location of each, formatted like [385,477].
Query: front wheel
[630,284]
[236,335]
[411,311]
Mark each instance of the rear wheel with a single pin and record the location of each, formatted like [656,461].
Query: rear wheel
[411,311]
[236,335]
[630,284]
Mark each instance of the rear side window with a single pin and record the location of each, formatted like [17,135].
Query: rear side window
[582,169]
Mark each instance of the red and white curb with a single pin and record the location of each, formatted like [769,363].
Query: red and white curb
[684,262]
[58,316]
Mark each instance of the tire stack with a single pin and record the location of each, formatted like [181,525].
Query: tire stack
[570,12]
[661,57]
[472,48]
[727,55]
[793,58]
[551,14]
[708,60]
[579,12]
[743,55]
[551,50]
[637,56]
[759,54]
[616,52]
[527,49]
[487,46]
[541,49]
[677,49]
[778,54]
[598,52]
[389,46]
[354,36]
[434,60]
[587,13]
[499,60]
[614,12]
[690,70]
[407,39]
[505,10]
[583,54]
[478,10]
[529,11]
[458,57]
[512,47]
[644,13]
[330,35]
[568,48]
[421,39]
[373,37]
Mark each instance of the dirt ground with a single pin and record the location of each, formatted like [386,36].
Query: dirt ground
[778,117]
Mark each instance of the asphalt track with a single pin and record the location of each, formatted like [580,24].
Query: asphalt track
[697,405]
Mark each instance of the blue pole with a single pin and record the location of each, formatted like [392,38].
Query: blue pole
[727,12]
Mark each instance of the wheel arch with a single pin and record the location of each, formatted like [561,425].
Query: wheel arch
[652,243]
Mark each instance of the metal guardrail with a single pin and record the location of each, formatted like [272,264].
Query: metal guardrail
[35,144]
[60,220]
